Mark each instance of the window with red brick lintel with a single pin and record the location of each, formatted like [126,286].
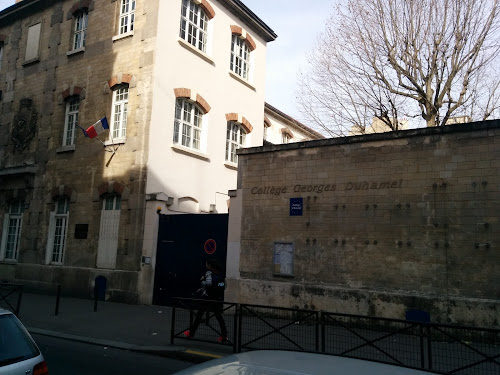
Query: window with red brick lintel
[120,86]
[190,109]
[195,16]
[237,129]
[242,45]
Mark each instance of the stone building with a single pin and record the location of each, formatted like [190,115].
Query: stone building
[374,225]
[181,83]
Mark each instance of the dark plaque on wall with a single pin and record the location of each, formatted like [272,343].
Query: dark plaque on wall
[24,127]
[296,205]
[81,231]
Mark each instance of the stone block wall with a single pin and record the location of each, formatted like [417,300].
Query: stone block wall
[84,167]
[389,222]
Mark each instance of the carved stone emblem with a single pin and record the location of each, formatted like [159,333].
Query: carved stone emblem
[24,128]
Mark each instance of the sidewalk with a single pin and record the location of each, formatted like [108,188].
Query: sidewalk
[142,328]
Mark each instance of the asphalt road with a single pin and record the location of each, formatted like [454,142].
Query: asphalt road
[70,357]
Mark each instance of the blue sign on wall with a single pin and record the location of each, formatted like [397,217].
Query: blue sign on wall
[296,205]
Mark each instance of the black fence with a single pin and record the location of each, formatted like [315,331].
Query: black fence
[444,349]
[10,297]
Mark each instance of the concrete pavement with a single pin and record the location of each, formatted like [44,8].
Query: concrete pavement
[141,328]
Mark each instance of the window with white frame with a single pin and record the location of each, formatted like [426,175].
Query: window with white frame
[235,138]
[119,112]
[11,234]
[194,25]
[80,34]
[240,56]
[71,120]
[285,137]
[188,124]
[58,228]
[127,16]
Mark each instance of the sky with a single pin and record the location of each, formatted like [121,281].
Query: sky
[297,24]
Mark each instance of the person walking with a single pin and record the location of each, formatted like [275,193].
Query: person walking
[212,289]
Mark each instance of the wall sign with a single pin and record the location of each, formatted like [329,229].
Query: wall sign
[283,258]
[81,231]
[296,206]
[210,246]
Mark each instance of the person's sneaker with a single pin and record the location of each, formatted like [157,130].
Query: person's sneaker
[187,334]
[222,339]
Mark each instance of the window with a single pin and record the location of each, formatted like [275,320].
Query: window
[71,120]
[108,233]
[188,124]
[1,55]
[11,236]
[194,25]
[33,43]
[127,16]
[58,227]
[80,30]
[235,138]
[240,57]
[119,112]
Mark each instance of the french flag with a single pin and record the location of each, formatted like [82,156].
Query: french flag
[97,128]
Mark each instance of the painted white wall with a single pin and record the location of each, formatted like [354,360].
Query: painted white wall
[274,132]
[176,66]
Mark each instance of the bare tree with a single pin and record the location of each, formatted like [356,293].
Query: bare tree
[390,59]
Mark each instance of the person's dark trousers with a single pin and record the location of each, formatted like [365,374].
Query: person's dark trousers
[211,306]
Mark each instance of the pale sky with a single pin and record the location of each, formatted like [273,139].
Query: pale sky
[297,23]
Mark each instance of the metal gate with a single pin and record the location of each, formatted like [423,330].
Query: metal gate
[184,244]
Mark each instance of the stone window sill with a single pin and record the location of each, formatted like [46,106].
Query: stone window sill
[242,80]
[75,51]
[123,36]
[70,148]
[195,50]
[190,152]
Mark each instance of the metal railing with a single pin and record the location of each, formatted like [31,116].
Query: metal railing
[444,349]
[10,297]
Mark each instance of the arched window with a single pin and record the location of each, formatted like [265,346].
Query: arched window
[80,31]
[194,25]
[235,138]
[240,56]
[188,124]
[119,111]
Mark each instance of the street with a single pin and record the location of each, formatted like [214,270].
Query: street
[71,357]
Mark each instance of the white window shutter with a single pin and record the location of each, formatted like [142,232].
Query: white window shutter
[4,236]
[50,238]
[108,239]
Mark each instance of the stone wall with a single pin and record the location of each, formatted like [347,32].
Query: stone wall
[389,222]
[86,167]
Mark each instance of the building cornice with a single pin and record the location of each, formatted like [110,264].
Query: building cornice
[250,18]
[273,111]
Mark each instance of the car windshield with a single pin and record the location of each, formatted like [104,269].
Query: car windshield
[15,344]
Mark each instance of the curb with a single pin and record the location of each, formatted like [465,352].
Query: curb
[170,351]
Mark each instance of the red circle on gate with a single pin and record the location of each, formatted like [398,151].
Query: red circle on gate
[210,246]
